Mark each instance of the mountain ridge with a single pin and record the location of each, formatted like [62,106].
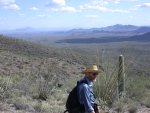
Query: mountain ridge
[112,28]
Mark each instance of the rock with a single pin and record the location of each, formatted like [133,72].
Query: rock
[24,107]
[30,108]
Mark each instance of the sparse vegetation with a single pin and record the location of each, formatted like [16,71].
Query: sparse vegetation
[35,78]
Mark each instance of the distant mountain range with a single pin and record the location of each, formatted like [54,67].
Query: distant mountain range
[139,38]
[121,28]
[114,28]
[112,33]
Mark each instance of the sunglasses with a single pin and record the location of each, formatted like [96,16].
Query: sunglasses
[94,74]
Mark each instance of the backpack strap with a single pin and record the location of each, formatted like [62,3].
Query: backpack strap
[82,108]
[82,81]
[65,111]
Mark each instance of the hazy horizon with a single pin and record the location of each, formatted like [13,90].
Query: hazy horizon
[61,29]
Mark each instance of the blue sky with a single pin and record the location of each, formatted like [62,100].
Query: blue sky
[68,14]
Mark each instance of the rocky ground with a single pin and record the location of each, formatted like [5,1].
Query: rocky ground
[5,108]
[143,110]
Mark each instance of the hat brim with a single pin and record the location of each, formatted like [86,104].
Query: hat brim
[90,71]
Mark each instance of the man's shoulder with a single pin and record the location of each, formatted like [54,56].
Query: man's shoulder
[84,85]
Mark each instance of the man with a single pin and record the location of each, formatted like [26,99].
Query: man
[85,90]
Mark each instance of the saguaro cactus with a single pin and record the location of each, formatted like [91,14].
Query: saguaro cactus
[121,77]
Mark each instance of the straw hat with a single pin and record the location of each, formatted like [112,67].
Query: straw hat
[92,68]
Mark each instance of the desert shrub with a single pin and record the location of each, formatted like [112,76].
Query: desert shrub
[146,102]
[3,107]
[23,84]
[45,81]
[118,106]
[137,87]
[54,104]
[46,87]
[106,86]
[23,103]
[132,109]
[125,104]
[38,106]
[132,106]
[47,107]
[5,87]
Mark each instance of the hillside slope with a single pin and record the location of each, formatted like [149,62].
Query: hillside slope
[19,57]
[19,46]
[35,78]
[30,72]
[22,47]
[138,38]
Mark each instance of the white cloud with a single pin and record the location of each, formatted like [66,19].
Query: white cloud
[115,1]
[117,11]
[65,9]
[9,4]
[119,1]
[94,4]
[92,16]
[144,5]
[12,6]
[56,3]
[60,5]
[68,9]
[34,8]
[100,7]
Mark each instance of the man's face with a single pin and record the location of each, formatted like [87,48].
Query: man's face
[92,75]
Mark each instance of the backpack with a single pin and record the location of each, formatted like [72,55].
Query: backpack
[72,100]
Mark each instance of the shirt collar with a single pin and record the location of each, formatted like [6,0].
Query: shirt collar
[90,83]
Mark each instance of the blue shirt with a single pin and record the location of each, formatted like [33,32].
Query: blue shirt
[86,95]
